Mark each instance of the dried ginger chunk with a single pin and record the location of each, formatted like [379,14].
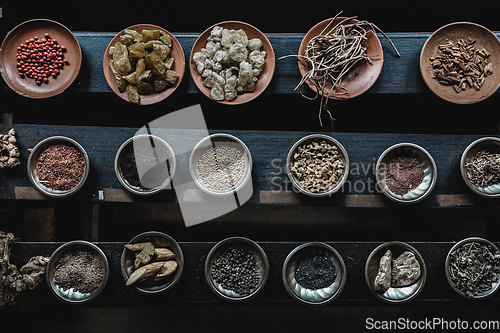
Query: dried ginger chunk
[121,60]
[150,35]
[120,82]
[137,50]
[132,93]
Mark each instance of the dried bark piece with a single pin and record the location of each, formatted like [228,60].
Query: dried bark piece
[162,254]
[137,246]
[144,257]
[144,273]
[383,278]
[405,270]
[168,268]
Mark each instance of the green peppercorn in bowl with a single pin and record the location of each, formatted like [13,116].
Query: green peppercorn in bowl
[480,167]
[322,285]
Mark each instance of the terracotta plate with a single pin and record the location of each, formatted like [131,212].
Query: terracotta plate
[179,66]
[454,32]
[38,27]
[362,76]
[265,76]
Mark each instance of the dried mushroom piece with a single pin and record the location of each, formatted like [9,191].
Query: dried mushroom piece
[145,50]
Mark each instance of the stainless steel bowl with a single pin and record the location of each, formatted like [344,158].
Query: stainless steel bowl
[216,140]
[407,150]
[490,144]
[308,296]
[154,148]
[306,140]
[33,159]
[394,294]
[494,286]
[260,258]
[71,296]
[158,239]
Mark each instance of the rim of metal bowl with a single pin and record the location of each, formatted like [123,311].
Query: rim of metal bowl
[421,280]
[335,187]
[493,290]
[387,192]
[200,184]
[343,275]
[216,249]
[179,258]
[474,188]
[33,158]
[56,256]
[130,188]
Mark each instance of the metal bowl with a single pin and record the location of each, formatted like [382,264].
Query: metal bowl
[158,239]
[306,140]
[308,296]
[154,148]
[482,241]
[394,294]
[407,150]
[71,296]
[492,145]
[217,140]
[33,159]
[260,259]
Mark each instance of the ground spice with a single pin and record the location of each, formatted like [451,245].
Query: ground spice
[80,270]
[221,167]
[236,269]
[483,169]
[315,272]
[60,167]
[404,174]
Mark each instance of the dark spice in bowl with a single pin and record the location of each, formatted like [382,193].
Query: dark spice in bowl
[483,169]
[404,174]
[60,167]
[315,272]
[80,270]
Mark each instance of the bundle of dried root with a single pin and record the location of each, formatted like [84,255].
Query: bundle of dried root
[332,54]
[8,143]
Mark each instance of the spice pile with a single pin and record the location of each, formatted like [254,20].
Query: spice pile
[317,166]
[8,143]
[39,59]
[461,64]
[403,175]
[400,272]
[230,63]
[221,167]
[60,167]
[236,269]
[81,270]
[483,169]
[152,264]
[315,272]
[474,267]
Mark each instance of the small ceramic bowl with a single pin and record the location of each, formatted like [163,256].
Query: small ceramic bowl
[361,77]
[494,286]
[454,32]
[317,138]
[490,144]
[260,258]
[264,77]
[308,296]
[179,66]
[407,150]
[217,140]
[38,27]
[72,296]
[33,159]
[158,239]
[394,294]
[155,176]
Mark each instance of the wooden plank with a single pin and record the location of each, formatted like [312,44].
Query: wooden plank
[399,75]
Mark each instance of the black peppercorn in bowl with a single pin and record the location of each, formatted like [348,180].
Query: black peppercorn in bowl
[62,172]
[472,268]
[322,285]
[479,167]
[410,265]
[391,164]
[77,272]
[327,170]
[236,269]
[145,164]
